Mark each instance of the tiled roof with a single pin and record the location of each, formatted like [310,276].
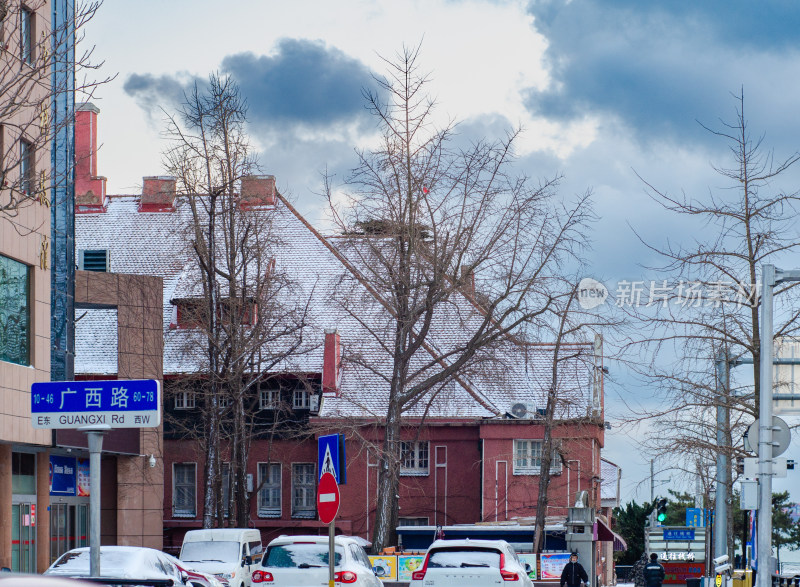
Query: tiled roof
[156,243]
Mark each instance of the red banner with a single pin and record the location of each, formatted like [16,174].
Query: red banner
[677,573]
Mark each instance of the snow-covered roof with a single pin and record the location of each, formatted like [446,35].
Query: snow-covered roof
[609,485]
[157,243]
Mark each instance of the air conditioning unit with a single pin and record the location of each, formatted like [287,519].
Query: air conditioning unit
[525,410]
[314,403]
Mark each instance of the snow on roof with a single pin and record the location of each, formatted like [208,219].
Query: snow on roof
[156,243]
[609,486]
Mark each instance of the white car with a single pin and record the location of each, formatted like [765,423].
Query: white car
[471,563]
[120,562]
[300,561]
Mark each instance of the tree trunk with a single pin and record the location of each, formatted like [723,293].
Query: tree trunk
[388,482]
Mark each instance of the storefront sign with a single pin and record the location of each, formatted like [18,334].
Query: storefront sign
[63,475]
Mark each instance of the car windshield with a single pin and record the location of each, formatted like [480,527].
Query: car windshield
[302,555]
[113,562]
[224,551]
[464,557]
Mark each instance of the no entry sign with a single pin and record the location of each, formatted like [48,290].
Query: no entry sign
[327,498]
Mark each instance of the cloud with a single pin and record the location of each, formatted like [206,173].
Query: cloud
[657,67]
[302,82]
[165,91]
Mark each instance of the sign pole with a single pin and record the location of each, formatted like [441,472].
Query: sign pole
[331,551]
[95,450]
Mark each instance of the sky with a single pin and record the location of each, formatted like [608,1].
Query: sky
[609,93]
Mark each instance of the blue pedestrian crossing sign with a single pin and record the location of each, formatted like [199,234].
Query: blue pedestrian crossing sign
[104,404]
[331,457]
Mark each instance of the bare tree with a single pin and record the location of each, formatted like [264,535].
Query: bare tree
[705,307]
[244,319]
[445,238]
[38,65]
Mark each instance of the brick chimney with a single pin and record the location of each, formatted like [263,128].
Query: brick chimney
[257,191]
[158,194]
[90,188]
[331,363]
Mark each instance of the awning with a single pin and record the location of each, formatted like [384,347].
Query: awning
[603,533]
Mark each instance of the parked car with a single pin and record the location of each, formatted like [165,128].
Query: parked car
[471,563]
[300,561]
[229,553]
[120,562]
[197,578]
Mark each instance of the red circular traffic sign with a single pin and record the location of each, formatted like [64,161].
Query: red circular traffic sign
[327,498]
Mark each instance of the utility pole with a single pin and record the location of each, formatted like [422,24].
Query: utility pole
[652,483]
[723,448]
[770,277]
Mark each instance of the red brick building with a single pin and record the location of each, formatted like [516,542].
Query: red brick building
[471,451]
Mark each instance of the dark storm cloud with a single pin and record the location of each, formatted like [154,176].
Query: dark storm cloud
[164,91]
[303,82]
[658,66]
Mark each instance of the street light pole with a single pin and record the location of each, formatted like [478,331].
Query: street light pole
[723,488]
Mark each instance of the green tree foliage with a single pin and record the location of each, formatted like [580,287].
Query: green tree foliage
[629,522]
[677,504]
[784,531]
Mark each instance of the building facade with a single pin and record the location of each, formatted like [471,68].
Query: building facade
[471,452]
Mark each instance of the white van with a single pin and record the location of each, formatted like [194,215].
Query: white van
[228,553]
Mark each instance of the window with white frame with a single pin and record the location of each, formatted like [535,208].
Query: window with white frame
[304,496]
[301,399]
[184,400]
[269,399]
[528,458]
[269,493]
[26,167]
[26,35]
[184,490]
[224,401]
[414,458]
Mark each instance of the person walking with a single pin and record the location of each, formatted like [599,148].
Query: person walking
[573,574]
[653,572]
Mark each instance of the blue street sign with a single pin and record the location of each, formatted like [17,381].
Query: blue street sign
[694,517]
[673,534]
[331,457]
[111,404]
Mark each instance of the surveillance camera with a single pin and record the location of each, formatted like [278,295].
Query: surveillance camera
[152,461]
[721,559]
[722,569]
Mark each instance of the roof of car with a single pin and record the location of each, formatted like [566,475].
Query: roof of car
[220,533]
[438,544]
[312,538]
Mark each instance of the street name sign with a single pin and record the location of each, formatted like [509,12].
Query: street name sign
[108,404]
[327,498]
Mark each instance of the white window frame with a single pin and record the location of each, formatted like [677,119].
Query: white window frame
[270,511]
[415,458]
[301,399]
[184,511]
[528,457]
[269,399]
[308,508]
[223,401]
[184,400]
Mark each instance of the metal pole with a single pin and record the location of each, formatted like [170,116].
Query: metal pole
[652,483]
[331,552]
[95,448]
[721,501]
[764,533]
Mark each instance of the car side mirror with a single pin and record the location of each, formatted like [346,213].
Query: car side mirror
[184,577]
[248,560]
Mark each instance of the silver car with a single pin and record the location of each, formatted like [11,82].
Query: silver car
[120,562]
[471,563]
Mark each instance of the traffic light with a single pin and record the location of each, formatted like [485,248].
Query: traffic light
[661,510]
